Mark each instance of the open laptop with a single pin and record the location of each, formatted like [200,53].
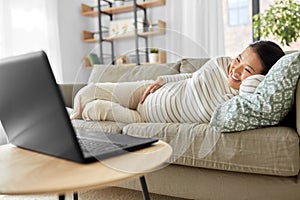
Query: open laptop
[34,116]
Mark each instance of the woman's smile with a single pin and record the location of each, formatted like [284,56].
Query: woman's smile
[234,78]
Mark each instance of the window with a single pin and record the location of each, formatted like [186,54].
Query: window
[30,27]
[237,25]
[238,12]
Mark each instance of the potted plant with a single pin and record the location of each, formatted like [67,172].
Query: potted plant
[282,20]
[153,56]
[119,3]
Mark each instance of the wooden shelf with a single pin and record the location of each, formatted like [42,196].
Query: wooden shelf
[162,59]
[161,30]
[90,12]
[88,37]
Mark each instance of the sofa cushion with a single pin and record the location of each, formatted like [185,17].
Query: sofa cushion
[272,151]
[268,105]
[117,73]
[190,65]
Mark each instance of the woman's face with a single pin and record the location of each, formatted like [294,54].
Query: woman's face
[244,65]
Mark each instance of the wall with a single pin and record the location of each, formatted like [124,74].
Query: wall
[71,23]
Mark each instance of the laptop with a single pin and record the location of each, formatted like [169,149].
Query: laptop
[34,116]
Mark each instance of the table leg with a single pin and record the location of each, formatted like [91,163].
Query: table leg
[61,197]
[143,184]
[144,188]
[75,196]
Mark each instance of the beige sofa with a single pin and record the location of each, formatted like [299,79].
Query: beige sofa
[255,164]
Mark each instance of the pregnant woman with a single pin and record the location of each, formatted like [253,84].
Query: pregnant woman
[186,98]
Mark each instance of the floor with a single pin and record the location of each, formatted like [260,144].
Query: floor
[105,194]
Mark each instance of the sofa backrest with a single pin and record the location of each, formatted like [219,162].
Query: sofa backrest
[118,73]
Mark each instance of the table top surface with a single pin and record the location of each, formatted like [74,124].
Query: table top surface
[26,172]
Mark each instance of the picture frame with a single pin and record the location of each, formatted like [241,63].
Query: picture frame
[124,27]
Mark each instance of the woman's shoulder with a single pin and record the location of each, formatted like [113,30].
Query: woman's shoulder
[223,60]
[217,62]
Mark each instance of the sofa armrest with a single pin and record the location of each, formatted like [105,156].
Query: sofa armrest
[298,107]
[69,90]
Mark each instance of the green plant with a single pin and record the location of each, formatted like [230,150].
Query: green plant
[282,20]
[153,50]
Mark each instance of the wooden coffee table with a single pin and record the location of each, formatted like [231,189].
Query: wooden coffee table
[24,172]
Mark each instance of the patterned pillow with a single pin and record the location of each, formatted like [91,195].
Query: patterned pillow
[268,105]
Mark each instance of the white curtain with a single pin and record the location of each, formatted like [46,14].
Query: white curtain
[27,26]
[195,28]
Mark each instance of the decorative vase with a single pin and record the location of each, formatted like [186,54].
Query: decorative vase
[153,57]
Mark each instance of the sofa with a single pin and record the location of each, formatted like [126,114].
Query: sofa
[261,163]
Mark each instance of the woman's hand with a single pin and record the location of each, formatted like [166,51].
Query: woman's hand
[152,88]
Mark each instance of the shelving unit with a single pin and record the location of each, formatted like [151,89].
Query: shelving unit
[89,11]
[98,11]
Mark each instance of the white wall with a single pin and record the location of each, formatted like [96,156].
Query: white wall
[71,23]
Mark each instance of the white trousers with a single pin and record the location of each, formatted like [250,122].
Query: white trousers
[110,101]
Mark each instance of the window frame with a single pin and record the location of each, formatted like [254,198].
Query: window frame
[235,9]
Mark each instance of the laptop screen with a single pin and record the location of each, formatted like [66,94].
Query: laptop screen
[32,110]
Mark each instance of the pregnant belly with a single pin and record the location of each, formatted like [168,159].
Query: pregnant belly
[164,105]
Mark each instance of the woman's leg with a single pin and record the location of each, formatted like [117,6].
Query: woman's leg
[102,110]
[127,94]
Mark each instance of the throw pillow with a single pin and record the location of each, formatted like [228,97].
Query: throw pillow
[268,105]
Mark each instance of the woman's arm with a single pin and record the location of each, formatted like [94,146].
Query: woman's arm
[161,80]
[175,77]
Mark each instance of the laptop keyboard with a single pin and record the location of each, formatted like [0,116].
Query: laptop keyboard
[96,147]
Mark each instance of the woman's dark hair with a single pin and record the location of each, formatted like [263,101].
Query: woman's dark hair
[269,53]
